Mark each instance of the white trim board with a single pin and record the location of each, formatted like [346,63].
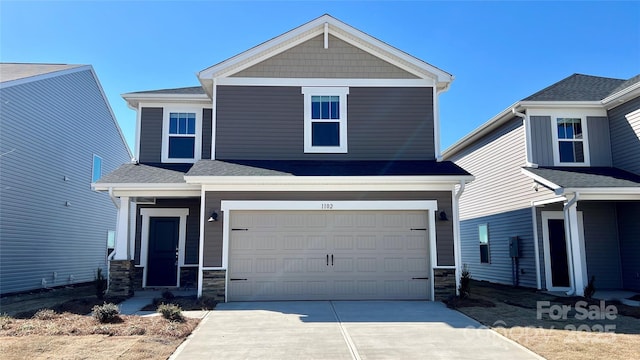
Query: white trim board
[148,213]
[558,215]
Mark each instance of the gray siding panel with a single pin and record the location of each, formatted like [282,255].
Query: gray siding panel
[193,226]
[541,140]
[49,130]
[629,232]
[496,161]
[268,123]
[625,135]
[501,227]
[311,60]
[206,133]
[602,249]
[150,135]
[599,143]
[213,230]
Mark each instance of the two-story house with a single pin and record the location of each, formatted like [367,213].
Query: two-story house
[303,168]
[57,136]
[556,200]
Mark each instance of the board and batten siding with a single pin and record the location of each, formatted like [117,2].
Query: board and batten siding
[193,227]
[49,131]
[213,230]
[599,141]
[602,248]
[311,60]
[268,123]
[500,227]
[541,140]
[624,122]
[496,162]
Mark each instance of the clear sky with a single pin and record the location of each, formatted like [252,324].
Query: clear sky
[499,52]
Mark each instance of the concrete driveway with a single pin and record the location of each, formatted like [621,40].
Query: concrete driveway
[344,330]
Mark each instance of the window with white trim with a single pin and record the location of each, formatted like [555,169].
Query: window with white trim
[325,119]
[96,169]
[181,142]
[571,147]
[483,236]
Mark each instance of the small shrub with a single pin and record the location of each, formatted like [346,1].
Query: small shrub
[106,313]
[167,295]
[590,289]
[5,321]
[101,284]
[45,314]
[171,312]
[465,283]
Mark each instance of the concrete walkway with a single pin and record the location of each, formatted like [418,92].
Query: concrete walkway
[344,330]
[142,298]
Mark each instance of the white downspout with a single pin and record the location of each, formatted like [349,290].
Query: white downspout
[456,232]
[568,237]
[526,125]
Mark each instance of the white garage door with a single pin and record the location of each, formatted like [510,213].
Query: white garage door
[328,255]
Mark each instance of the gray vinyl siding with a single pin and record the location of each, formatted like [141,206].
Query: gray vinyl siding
[150,135]
[193,227]
[602,248]
[213,230]
[625,136]
[311,60]
[501,227]
[268,123]
[541,140]
[49,130]
[599,143]
[206,133]
[496,161]
[629,233]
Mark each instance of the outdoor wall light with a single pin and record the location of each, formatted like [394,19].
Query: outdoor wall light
[442,216]
[213,217]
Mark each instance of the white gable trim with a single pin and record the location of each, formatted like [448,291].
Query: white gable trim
[315,28]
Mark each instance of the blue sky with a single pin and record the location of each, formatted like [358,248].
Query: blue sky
[499,52]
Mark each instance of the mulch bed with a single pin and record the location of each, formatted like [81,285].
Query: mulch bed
[80,306]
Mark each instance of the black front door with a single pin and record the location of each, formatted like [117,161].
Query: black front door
[558,253]
[162,259]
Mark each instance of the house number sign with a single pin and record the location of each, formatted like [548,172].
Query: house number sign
[327,206]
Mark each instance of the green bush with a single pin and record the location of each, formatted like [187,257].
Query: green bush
[101,284]
[106,313]
[465,283]
[171,312]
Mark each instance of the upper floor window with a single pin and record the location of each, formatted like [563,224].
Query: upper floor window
[96,169]
[325,119]
[571,146]
[181,139]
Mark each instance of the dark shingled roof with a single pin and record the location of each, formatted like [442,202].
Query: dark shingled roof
[324,168]
[626,84]
[149,174]
[587,177]
[193,90]
[578,87]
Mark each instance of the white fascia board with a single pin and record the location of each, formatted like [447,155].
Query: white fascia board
[324,205]
[481,131]
[609,193]
[133,100]
[319,180]
[622,96]
[314,28]
[541,180]
[567,110]
[548,201]
[326,82]
[49,75]
[156,193]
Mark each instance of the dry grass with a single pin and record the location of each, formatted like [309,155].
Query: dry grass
[515,316]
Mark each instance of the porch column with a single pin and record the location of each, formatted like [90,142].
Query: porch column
[122,230]
[577,249]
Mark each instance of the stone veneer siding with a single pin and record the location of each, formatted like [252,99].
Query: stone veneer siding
[121,277]
[213,284]
[444,283]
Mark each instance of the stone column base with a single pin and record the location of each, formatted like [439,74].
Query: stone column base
[121,278]
[444,283]
[213,284]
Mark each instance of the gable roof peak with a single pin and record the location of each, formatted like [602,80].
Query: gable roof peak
[577,87]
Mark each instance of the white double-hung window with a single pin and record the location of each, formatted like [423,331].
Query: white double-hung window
[571,147]
[325,119]
[181,141]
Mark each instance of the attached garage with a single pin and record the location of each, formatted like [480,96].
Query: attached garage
[329,255]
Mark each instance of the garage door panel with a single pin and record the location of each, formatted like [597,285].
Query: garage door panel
[375,255]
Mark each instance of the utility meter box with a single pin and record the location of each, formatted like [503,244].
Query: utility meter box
[514,247]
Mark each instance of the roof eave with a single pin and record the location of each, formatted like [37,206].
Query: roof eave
[621,96]
[291,179]
[134,99]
